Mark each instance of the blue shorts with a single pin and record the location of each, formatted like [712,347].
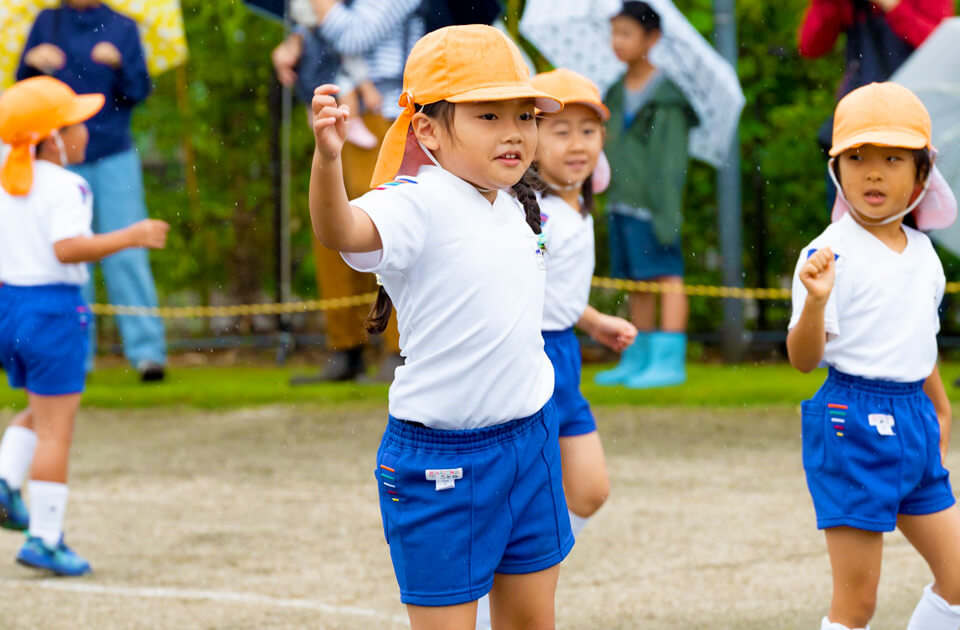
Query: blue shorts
[871,451]
[563,348]
[459,506]
[635,252]
[43,338]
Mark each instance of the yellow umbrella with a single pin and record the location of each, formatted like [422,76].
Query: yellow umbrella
[160,21]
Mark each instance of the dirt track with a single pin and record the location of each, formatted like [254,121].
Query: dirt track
[267,518]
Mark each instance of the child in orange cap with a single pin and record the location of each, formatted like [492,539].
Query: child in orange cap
[865,299]
[469,466]
[45,241]
[568,155]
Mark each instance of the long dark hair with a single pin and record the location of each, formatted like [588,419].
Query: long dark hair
[526,191]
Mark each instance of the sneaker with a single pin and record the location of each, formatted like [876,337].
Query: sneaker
[358,134]
[13,512]
[151,371]
[60,559]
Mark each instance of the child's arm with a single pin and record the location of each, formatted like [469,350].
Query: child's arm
[336,223]
[79,249]
[806,340]
[614,332]
[933,387]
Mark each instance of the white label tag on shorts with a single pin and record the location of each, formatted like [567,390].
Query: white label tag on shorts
[445,478]
[883,422]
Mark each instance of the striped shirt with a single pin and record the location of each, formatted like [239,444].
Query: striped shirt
[383,31]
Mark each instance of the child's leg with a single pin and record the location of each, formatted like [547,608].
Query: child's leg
[674,306]
[16,449]
[53,418]
[643,311]
[459,617]
[524,602]
[937,538]
[585,480]
[855,558]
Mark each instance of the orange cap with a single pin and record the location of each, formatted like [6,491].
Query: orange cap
[884,114]
[572,89]
[458,64]
[29,112]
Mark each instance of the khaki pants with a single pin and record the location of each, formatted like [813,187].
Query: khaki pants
[334,277]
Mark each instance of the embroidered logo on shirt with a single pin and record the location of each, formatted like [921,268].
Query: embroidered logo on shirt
[445,477]
[84,193]
[813,250]
[883,422]
[401,179]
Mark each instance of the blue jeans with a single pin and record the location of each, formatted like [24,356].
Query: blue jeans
[117,184]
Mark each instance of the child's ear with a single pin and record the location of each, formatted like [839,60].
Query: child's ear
[427,130]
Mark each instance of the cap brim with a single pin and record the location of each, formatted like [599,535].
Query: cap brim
[600,108]
[542,100]
[885,138]
[85,107]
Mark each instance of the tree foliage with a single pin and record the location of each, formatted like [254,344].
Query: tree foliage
[222,238]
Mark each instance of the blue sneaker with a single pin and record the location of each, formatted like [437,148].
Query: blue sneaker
[13,512]
[60,559]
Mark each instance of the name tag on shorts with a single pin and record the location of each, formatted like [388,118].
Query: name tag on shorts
[883,422]
[445,477]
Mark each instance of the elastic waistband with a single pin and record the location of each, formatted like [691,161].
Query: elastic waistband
[41,290]
[558,334]
[414,434]
[873,385]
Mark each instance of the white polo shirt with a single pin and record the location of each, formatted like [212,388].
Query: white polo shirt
[570,262]
[881,317]
[467,279]
[59,206]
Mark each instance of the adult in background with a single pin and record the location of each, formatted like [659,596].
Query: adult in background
[382,31]
[94,49]
[880,34]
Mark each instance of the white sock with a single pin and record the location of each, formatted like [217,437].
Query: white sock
[577,523]
[48,504]
[483,613]
[934,613]
[16,455]
[826,624]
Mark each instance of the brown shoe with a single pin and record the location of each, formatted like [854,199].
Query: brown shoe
[344,365]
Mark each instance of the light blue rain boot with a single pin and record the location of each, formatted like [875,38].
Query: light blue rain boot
[667,364]
[632,361]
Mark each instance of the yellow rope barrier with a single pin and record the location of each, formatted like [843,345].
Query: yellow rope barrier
[616,284]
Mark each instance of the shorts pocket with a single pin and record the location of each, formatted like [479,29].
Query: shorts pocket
[813,419]
[389,490]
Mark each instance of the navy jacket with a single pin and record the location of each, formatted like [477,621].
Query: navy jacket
[76,33]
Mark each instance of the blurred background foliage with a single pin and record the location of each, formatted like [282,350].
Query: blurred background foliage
[205,139]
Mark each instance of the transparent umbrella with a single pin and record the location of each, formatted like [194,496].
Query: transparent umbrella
[575,34]
[933,73]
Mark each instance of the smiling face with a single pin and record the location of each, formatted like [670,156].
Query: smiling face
[569,145]
[878,181]
[489,144]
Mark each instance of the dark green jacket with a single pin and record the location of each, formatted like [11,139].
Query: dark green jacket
[649,157]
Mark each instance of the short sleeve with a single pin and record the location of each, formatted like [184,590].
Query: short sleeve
[72,214]
[831,322]
[399,212]
[940,289]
